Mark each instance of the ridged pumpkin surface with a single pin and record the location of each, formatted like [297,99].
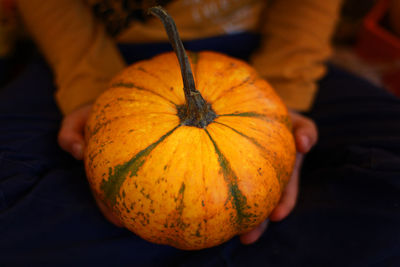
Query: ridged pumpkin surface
[185,186]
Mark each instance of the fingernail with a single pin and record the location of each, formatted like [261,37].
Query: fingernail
[305,143]
[77,151]
[264,224]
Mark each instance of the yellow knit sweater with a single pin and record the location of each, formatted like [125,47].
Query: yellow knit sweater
[296,41]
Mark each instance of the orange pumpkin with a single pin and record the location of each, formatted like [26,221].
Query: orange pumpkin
[188,167]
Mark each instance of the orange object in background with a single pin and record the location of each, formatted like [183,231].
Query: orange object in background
[380,44]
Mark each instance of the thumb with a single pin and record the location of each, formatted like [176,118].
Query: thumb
[305,132]
[71,134]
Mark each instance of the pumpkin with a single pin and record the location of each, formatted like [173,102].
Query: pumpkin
[188,158]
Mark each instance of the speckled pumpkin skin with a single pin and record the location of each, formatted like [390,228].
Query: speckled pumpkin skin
[185,186]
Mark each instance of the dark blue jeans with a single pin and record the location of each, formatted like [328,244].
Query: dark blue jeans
[348,213]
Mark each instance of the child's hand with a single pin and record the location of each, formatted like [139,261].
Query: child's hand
[306,135]
[71,134]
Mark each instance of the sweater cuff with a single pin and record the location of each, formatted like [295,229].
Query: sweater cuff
[296,96]
[83,92]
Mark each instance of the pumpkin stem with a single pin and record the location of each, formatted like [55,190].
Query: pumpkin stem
[196,112]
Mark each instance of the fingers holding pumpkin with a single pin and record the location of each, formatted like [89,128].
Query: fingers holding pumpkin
[289,195]
[282,210]
[305,135]
[305,132]
[70,136]
[252,236]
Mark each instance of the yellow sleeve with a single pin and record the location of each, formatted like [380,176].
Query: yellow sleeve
[296,44]
[76,46]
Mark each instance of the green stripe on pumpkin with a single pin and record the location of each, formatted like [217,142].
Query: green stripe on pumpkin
[180,207]
[252,140]
[285,120]
[230,89]
[133,86]
[119,173]
[246,114]
[238,200]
